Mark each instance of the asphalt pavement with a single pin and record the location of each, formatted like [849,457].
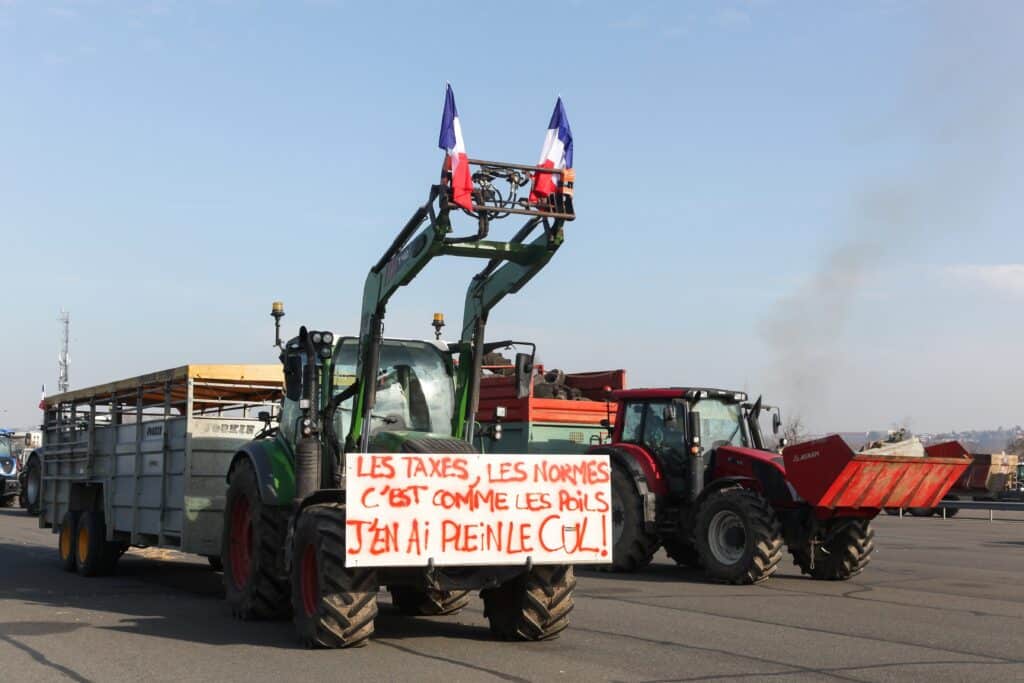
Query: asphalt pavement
[943,600]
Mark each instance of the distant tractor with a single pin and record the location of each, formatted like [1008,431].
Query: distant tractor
[9,486]
[691,472]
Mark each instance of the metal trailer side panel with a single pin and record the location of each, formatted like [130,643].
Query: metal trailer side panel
[155,461]
[212,443]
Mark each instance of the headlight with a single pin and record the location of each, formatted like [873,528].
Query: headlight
[315,337]
[328,338]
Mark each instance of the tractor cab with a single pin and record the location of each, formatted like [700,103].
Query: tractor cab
[660,420]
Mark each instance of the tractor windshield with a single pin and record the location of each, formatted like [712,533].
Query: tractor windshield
[415,390]
[721,423]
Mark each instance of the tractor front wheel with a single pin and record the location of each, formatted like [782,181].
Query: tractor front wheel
[533,606]
[332,606]
[632,545]
[739,538]
[427,602]
[252,550]
[844,552]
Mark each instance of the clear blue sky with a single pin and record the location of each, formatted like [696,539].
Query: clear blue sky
[817,201]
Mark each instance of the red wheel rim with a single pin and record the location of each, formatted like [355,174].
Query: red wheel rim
[241,541]
[310,581]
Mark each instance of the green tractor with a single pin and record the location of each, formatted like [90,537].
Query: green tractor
[284,539]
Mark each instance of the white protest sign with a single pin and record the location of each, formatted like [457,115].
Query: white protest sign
[408,509]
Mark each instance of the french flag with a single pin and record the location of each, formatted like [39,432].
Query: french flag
[457,162]
[557,153]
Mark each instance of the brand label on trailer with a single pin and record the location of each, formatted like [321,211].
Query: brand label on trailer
[412,509]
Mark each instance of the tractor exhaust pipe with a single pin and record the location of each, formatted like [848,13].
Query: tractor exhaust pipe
[696,456]
[307,448]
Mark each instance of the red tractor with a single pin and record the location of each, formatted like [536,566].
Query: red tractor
[691,472]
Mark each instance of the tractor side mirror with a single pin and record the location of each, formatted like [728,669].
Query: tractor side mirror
[776,422]
[523,372]
[264,417]
[28,439]
[293,377]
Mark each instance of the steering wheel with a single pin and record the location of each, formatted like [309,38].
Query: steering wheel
[657,437]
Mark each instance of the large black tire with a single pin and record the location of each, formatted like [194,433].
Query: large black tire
[684,553]
[632,545]
[332,606]
[252,550]
[922,512]
[843,555]
[950,512]
[892,512]
[94,555]
[426,602]
[738,537]
[32,489]
[533,606]
[66,536]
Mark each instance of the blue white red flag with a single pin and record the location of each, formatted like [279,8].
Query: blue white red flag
[457,162]
[556,153]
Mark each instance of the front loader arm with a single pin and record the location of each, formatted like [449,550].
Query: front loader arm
[511,264]
[491,285]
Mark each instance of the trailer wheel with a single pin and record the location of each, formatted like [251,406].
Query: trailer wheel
[333,606]
[633,546]
[533,606]
[427,602]
[843,554]
[66,540]
[252,550]
[739,538]
[684,553]
[922,512]
[32,487]
[94,555]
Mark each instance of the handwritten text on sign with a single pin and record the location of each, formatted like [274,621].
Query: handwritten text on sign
[463,509]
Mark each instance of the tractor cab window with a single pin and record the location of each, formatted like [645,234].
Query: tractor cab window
[663,430]
[721,424]
[632,423]
[414,388]
[290,411]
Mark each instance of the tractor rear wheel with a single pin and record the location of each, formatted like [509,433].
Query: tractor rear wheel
[533,606]
[632,545]
[739,538]
[843,554]
[32,487]
[427,602]
[333,606]
[252,550]
[684,553]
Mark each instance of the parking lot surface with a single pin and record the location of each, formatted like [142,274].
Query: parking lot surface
[943,600]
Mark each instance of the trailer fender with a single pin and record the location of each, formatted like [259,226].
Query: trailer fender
[275,472]
[639,475]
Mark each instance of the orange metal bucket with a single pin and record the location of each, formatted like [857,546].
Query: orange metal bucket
[829,475]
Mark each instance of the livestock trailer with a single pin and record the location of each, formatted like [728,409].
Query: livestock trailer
[148,456]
